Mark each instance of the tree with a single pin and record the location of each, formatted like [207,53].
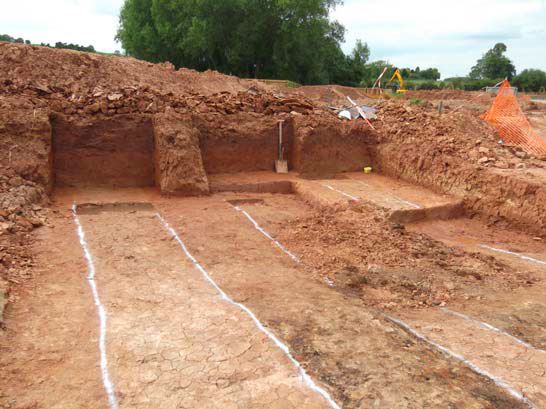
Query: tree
[10,39]
[432,74]
[530,80]
[361,53]
[373,69]
[351,69]
[290,39]
[494,65]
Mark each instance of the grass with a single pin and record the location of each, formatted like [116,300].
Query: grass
[292,84]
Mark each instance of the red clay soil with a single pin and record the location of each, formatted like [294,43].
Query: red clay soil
[88,119]
[25,179]
[177,142]
[455,153]
[49,70]
[113,152]
[323,147]
[459,154]
[451,94]
[364,254]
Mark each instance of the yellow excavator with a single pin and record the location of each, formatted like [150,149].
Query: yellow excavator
[399,88]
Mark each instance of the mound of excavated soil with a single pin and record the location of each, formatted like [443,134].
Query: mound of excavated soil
[362,253]
[73,72]
[460,154]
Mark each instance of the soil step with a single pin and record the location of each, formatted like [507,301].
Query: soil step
[407,203]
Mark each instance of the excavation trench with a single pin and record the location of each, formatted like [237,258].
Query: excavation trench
[169,340]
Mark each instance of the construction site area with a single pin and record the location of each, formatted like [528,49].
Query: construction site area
[176,239]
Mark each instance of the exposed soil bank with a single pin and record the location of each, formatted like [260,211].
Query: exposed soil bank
[116,151]
[515,198]
[25,141]
[179,163]
[242,142]
[323,148]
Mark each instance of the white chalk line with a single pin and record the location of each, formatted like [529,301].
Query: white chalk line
[492,328]
[522,256]
[408,203]
[266,234]
[414,205]
[356,199]
[305,377]
[499,382]
[108,386]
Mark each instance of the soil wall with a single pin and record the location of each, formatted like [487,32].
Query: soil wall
[242,142]
[116,151]
[25,141]
[516,198]
[179,165]
[324,148]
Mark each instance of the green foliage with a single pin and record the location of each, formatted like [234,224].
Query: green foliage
[89,48]
[70,46]
[415,78]
[373,69]
[432,74]
[469,84]
[289,39]
[416,101]
[530,80]
[10,39]
[494,64]
[292,84]
[423,84]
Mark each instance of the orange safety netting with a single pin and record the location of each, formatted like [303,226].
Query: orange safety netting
[511,123]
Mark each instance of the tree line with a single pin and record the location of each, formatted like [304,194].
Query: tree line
[59,44]
[10,39]
[288,39]
[267,39]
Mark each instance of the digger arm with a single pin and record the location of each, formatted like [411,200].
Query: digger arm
[398,76]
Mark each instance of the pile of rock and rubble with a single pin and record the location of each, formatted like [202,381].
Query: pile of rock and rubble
[20,213]
[456,133]
[359,251]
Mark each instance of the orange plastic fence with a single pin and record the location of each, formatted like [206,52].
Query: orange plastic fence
[512,124]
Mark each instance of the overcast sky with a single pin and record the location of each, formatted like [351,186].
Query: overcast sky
[450,35]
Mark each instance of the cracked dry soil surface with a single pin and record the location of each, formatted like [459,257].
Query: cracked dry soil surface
[172,342]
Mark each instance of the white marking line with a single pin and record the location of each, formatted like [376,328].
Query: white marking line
[341,193]
[500,382]
[492,328]
[108,386]
[414,205]
[266,234]
[522,256]
[305,377]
